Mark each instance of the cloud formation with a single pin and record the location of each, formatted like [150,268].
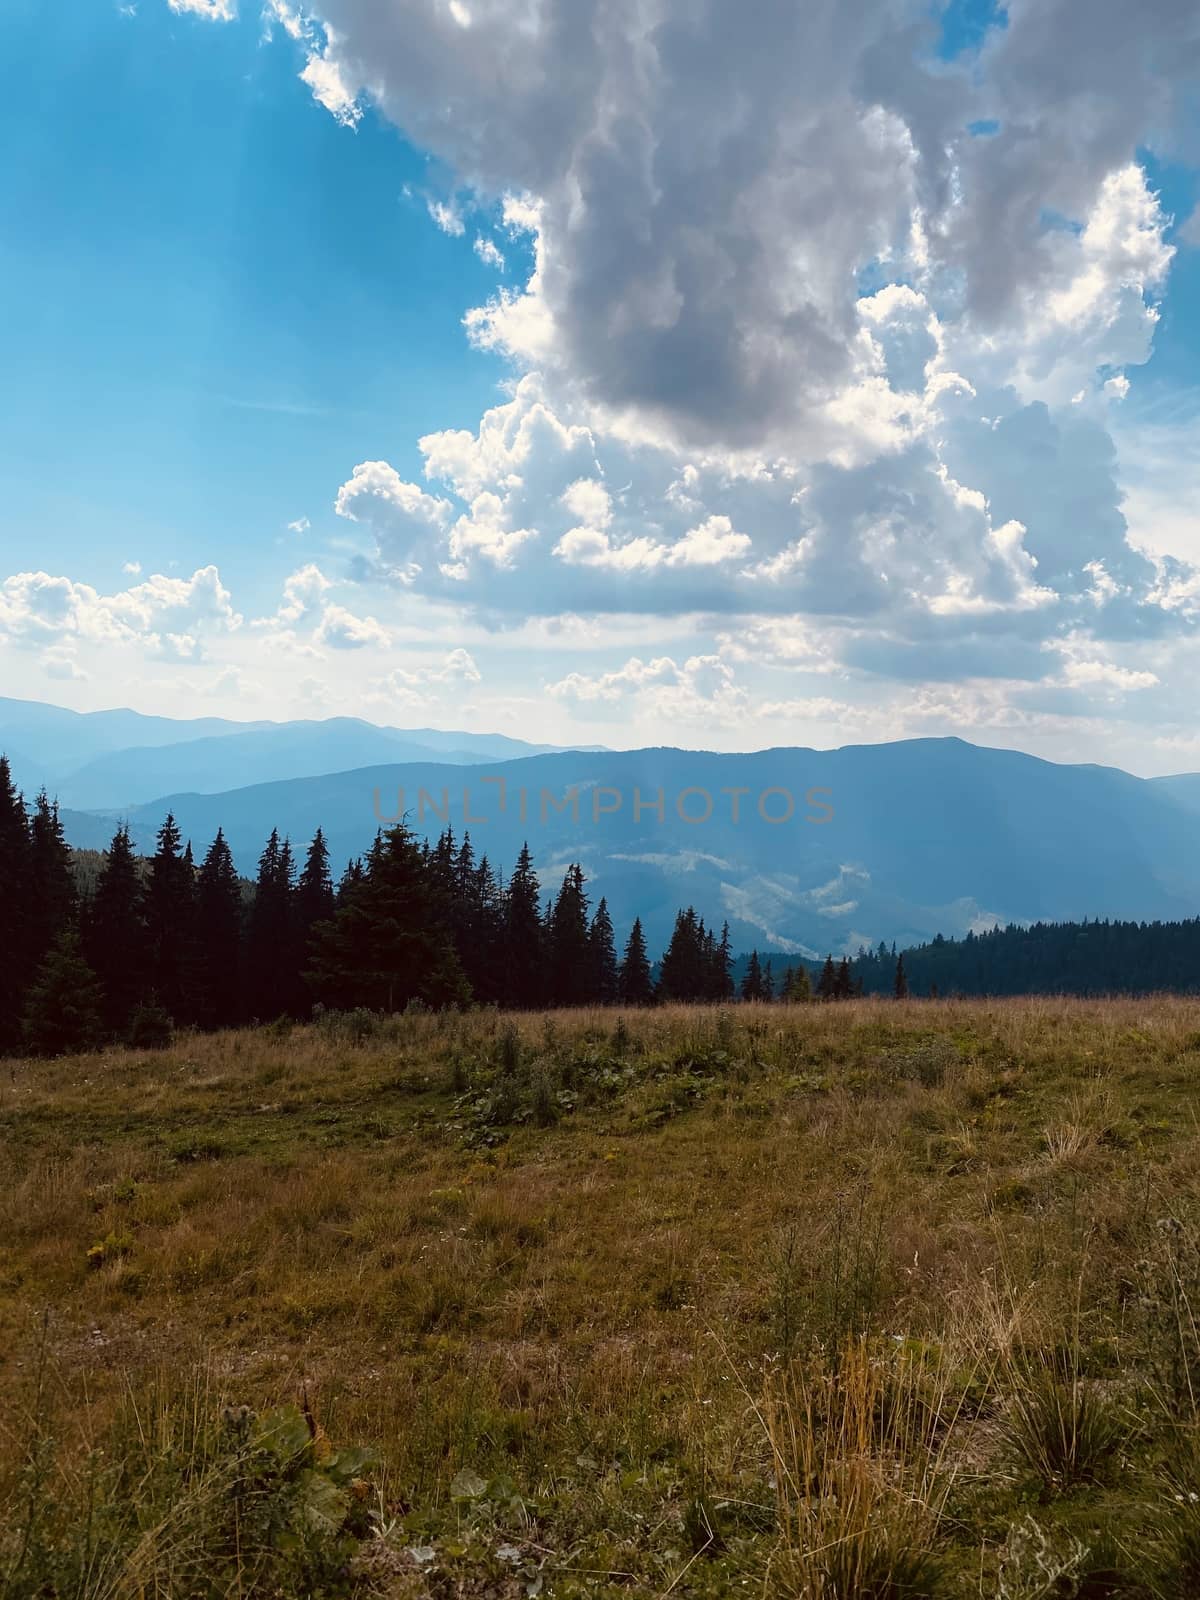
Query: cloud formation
[708,192]
[822,353]
[168,617]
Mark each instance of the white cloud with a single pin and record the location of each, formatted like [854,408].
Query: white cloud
[489,252]
[707,545]
[59,661]
[303,594]
[447,216]
[456,667]
[330,89]
[342,630]
[851,417]
[700,690]
[691,270]
[166,614]
[211,10]
[229,684]
[401,515]
[1093,308]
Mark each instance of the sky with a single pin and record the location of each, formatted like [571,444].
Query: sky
[609,371]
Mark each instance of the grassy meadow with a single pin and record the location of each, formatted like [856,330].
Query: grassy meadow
[868,1299]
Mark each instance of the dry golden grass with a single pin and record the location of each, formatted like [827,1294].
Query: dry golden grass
[693,1298]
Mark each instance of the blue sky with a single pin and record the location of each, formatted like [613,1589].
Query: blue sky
[225,299]
[653,380]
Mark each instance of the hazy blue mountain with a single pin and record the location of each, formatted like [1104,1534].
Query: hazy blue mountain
[101,759]
[51,741]
[1183,788]
[295,750]
[926,836]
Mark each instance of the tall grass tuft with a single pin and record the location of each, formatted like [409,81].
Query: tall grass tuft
[185,1498]
[1063,1428]
[860,1480]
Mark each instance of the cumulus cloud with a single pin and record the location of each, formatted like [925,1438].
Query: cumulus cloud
[306,611]
[974,517]
[401,515]
[489,252]
[455,667]
[341,630]
[166,615]
[690,268]
[701,689]
[822,341]
[212,10]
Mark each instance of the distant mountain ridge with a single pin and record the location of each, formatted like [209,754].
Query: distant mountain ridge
[926,836]
[112,759]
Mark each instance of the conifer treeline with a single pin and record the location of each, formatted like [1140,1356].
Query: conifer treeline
[166,941]
[163,941]
[1082,958]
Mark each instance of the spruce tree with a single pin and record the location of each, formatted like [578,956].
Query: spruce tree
[683,974]
[602,952]
[170,905]
[900,982]
[314,890]
[475,921]
[15,872]
[387,943]
[843,988]
[827,983]
[219,955]
[752,983]
[768,981]
[63,1007]
[569,947]
[353,875]
[525,986]
[723,988]
[635,982]
[114,932]
[52,900]
[799,988]
[487,903]
[272,956]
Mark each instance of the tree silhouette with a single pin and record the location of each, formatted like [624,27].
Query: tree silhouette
[51,902]
[602,955]
[62,1012]
[170,931]
[386,945]
[525,986]
[569,947]
[798,990]
[634,982]
[273,953]
[114,932]
[219,955]
[15,966]
[314,889]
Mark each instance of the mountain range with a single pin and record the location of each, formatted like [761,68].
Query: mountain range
[896,841]
[101,760]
